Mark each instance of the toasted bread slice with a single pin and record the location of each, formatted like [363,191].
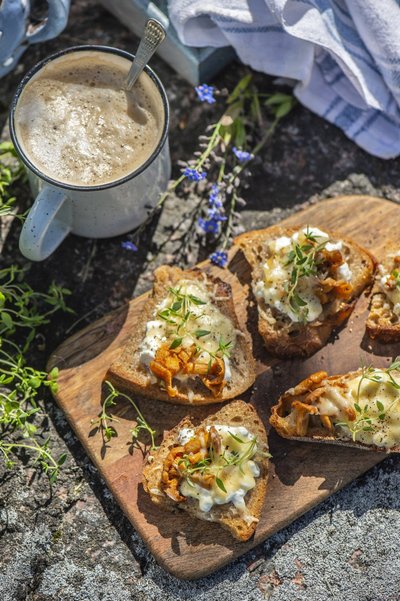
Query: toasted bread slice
[240,523]
[283,336]
[357,409]
[130,371]
[383,320]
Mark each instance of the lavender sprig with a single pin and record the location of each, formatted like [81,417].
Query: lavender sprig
[219,167]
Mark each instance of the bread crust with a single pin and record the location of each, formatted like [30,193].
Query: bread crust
[235,413]
[316,433]
[281,336]
[382,323]
[127,370]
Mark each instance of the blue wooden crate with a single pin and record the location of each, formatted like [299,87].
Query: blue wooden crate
[196,65]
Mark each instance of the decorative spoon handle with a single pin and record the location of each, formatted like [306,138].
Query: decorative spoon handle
[154,34]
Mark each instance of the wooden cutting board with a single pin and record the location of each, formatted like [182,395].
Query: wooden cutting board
[302,474]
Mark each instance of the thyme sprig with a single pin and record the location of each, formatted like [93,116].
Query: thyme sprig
[304,261]
[22,312]
[102,422]
[20,385]
[22,308]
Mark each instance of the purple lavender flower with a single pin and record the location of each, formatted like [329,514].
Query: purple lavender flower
[242,155]
[209,226]
[219,257]
[205,93]
[216,215]
[128,245]
[194,175]
[215,200]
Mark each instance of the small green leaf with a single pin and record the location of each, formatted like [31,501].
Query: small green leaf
[201,333]
[175,343]
[380,406]
[278,98]
[220,484]
[196,300]
[283,109]
[7,320]
[62,459]
[176,306]
[53,374]
[357,407]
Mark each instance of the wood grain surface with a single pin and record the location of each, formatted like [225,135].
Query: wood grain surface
[302,474]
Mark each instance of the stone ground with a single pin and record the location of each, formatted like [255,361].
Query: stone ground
[73,543]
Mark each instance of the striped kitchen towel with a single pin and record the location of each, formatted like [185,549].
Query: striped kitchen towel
[343,54]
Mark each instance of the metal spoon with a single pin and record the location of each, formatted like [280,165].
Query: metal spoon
[154,34]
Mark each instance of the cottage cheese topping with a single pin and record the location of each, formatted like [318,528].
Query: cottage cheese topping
[205,317]
[277,273]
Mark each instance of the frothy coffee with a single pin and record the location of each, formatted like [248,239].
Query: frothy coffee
[77,124]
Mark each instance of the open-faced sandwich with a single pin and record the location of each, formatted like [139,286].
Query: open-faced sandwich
[216,471]
[383,321]
[306,282]
[189,347]
[361,408]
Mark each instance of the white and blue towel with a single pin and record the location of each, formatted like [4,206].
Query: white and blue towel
[343,54]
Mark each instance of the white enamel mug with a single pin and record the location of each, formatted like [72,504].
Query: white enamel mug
[101,211]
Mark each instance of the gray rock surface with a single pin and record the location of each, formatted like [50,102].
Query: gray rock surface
[73,543]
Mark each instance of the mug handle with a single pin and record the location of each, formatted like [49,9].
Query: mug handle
[47,224]
[55,22]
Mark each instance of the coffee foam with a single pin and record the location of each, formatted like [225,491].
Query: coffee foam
[77,125]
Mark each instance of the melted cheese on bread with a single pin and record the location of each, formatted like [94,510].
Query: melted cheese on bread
[232,481]
[277,274]
[206,319]
[364,408]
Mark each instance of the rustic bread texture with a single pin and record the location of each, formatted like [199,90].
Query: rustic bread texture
[382,323]
[315,433]
[129,372]
[236,413]
[285,338]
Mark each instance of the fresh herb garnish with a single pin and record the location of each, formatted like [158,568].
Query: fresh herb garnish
[304,261]
[220,484]
[201,333]
[178,316]
[175,343]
